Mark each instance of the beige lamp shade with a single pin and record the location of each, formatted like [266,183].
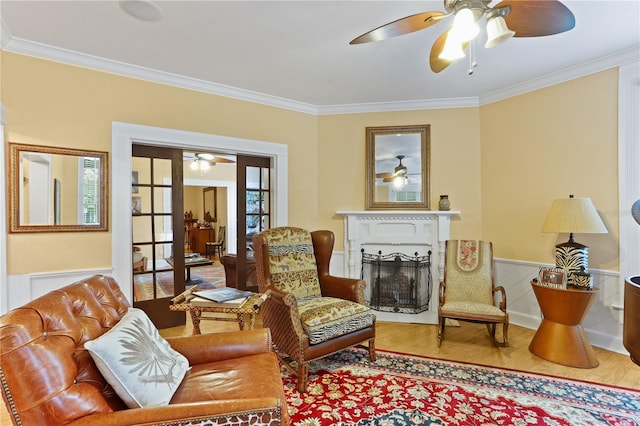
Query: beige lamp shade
[574,215]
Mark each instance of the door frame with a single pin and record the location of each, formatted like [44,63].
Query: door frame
[124,135]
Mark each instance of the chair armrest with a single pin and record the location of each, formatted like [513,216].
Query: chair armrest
[441,290]
[284,307]
[242,410]
[503,302]
[343,288]
[203,348]
[280,313]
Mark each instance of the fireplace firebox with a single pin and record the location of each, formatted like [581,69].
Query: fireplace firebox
[397,282]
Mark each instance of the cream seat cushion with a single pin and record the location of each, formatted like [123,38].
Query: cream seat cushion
[484,309]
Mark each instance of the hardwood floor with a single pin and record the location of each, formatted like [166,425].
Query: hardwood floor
[471,343]
[467,343]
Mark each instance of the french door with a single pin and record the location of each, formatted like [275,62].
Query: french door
[157,232]
[254,211]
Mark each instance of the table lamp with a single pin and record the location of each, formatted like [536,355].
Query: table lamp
[573,215]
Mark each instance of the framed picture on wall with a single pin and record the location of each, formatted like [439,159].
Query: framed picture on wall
[552,277]
[136,205]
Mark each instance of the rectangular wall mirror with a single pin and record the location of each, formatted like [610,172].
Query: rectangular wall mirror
[397,167]
[57,189]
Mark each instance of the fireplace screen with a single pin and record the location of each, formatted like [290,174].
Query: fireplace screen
[396,282]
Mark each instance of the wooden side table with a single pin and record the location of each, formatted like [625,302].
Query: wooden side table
[561,337]
[251,307]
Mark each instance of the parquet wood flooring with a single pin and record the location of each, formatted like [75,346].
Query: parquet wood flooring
[467,343]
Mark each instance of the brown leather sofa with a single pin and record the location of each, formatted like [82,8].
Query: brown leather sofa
[48,378]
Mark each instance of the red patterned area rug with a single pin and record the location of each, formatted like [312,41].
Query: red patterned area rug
[347,389]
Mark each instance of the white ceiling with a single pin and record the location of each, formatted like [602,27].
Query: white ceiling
[297,53]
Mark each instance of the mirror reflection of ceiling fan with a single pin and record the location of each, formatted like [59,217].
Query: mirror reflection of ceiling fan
[203,161]
[399,176]
[509,18]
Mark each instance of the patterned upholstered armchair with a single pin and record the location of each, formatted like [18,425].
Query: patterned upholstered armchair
[467,292]
[311,314]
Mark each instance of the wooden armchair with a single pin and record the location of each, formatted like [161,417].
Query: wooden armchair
[311,314]
[467,292]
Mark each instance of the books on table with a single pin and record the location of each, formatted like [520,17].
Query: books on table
[225,297]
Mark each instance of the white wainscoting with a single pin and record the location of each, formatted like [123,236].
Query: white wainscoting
[603,322]
[23,288]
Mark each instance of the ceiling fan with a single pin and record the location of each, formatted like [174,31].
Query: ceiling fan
[399,175]
[509,18]
[204,161]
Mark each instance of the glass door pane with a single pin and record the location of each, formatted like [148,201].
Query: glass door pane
[254,214]
[155,276]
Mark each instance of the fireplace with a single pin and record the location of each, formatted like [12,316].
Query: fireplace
[405,233]
[397,282]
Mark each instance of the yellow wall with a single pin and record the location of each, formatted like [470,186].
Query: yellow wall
[193,201]
[500,164]
[544,145]
[455,165]
[54,104]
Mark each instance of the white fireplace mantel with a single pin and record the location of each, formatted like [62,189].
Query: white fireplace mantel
[403,231]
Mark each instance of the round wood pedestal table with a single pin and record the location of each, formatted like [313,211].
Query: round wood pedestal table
[561,337]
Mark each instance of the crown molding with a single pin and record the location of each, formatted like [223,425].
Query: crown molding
[44,51]
[611,61]
[5,35]
[441,103]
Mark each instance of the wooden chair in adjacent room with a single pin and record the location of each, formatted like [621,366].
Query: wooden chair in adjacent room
[216,248]
[311,314]
[467,292]
[139,260]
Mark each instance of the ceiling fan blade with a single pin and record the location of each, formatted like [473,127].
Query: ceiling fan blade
[384,175]
[435,61]
[402,26]
[393,178]
[222,160]
[535,18]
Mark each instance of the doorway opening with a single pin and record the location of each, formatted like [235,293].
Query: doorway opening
[125,135]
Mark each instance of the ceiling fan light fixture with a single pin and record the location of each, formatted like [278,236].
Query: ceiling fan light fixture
[497,31]
[400,181]
[200,162]
[204,165]
[464,25]
[205,156]
[452,49]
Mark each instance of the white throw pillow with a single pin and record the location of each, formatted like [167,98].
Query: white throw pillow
[141,366]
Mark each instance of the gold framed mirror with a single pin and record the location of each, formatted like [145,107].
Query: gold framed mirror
[397,167]
[57,189]
[210,204]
